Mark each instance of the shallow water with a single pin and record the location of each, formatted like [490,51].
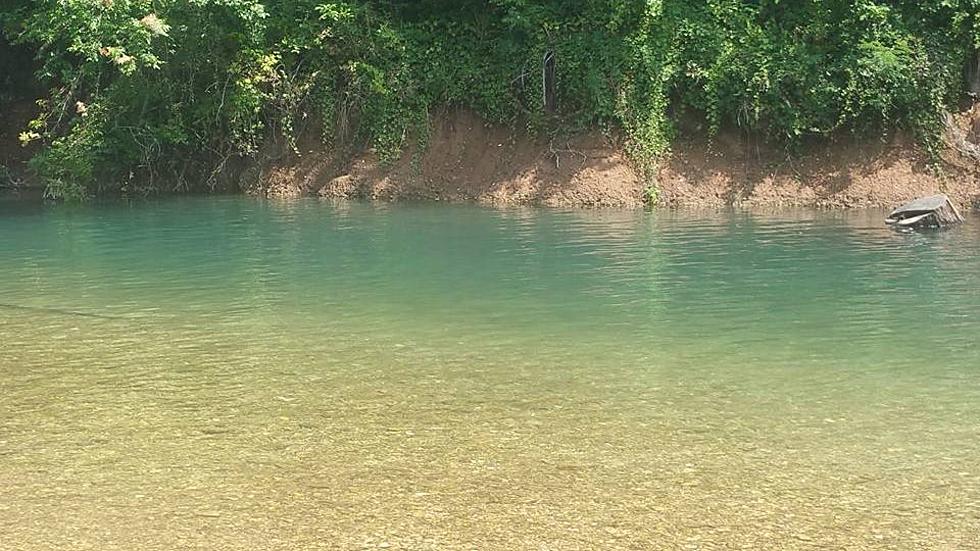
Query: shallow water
[227,373]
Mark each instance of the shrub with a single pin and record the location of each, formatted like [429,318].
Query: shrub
[148,95]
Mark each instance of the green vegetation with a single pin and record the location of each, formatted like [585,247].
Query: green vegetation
[6,179]
[171,94]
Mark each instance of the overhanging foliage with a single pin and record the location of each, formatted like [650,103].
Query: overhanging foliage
[150,94]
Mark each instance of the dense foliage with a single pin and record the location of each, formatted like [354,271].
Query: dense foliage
[150,94]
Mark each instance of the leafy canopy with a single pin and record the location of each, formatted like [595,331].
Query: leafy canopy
[164,94]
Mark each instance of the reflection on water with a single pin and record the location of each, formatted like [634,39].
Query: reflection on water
[239,374]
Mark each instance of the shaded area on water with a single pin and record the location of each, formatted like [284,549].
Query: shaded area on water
[279,374]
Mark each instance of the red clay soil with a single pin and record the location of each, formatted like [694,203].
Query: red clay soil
[469,160]
[866,174]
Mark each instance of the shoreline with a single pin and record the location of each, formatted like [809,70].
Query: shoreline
[467,160]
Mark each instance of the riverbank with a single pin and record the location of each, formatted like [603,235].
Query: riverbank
[468,160]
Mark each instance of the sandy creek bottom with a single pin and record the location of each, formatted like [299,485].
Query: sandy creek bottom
[239,374]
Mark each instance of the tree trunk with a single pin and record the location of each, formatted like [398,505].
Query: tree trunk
[548,85]
[973,73]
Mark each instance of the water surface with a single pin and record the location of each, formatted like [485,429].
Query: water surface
[227,373]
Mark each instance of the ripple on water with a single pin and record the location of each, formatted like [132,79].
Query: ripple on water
[232,373]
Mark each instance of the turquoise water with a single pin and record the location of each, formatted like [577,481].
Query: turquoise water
[227,373]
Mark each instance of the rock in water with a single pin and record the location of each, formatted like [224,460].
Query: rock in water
[935,211]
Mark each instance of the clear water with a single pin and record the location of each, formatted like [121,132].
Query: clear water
[239,374]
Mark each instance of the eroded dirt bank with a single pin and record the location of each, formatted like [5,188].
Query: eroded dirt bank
[468,160]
